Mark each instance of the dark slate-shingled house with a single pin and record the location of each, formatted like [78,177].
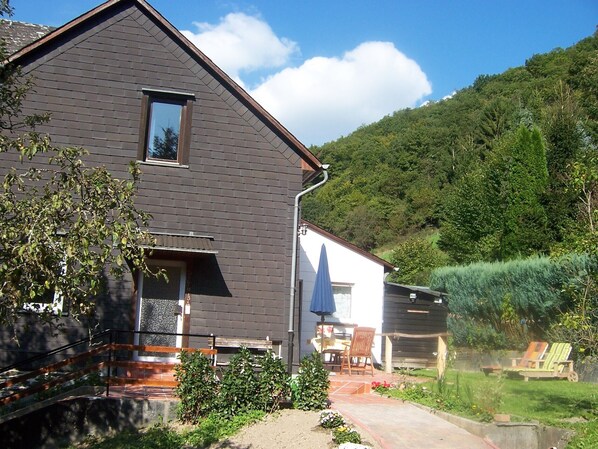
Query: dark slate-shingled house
[222,204]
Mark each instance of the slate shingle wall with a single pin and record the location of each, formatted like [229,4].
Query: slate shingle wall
[241,179]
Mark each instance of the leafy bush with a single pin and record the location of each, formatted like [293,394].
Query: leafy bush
[273,382]
[239,389]
[311,387]
[330,419]
[415,259]
[197,388]
[345,434]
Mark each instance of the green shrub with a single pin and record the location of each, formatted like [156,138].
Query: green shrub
[311,387]
[239,387]
[273,382]
[345,434]
[197,388]
[507,304]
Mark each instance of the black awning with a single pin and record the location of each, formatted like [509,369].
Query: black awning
[182,243]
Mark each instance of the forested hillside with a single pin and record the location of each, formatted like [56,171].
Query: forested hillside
[505,168]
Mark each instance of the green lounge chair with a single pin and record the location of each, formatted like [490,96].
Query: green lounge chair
[555,364]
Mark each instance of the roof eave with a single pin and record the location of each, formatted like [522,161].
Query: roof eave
[388,267]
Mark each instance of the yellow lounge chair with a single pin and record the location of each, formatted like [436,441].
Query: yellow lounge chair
[555,364]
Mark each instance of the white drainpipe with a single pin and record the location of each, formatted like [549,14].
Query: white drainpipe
[294,266]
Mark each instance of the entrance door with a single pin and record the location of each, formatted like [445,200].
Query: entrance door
[160,305]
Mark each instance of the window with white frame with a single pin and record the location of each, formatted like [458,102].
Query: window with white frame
[342,301]
[51,301]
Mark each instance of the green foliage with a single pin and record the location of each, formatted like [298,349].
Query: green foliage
[273,382]
[311,387]
[162,436]
[158,436]
[523,176]
[214,428]
[239,391]
[507,304]
[497,212]
[345,434]
[415,259]
[198,387]
[552,402]
[472,166]
[5,8]
[577,321]
[470,229]
[329,419]
[586,436]
[58,215]
[248,384]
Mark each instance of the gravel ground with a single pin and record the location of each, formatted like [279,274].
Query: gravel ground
[287,429]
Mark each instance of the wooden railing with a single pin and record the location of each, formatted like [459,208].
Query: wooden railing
[441,351]
[112,356]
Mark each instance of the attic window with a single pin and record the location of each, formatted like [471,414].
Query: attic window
[165,127]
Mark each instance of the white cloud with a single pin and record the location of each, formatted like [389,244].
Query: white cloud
[449,96]
[242,43]
[326,98]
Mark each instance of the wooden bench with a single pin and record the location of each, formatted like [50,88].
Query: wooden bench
[228,346]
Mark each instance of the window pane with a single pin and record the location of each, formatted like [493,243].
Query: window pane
[165,125]
[342,301]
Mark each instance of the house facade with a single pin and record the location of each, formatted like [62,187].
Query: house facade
[123,83]
[358,285]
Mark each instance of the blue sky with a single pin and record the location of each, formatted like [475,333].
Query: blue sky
[326,67]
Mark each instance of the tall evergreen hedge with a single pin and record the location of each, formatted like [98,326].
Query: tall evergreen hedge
[506,304]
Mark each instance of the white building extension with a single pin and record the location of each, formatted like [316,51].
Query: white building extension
[358,283]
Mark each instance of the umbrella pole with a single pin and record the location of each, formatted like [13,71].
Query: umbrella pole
[322,338]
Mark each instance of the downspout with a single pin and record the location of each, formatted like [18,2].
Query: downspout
[294,266]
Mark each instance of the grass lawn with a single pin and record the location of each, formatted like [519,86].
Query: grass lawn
[555,402]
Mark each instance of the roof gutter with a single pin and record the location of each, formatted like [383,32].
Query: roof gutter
[294,265]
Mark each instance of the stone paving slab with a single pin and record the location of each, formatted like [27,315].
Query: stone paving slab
[399,425]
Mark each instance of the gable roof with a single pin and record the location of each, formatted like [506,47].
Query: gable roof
[17,35]
[310,164]
[388,267]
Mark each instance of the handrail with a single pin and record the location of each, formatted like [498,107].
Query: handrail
[110,332]
[80,357]
[52,352]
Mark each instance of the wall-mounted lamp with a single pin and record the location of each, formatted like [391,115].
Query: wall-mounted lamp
[303,229]
[438,301]
[412,297]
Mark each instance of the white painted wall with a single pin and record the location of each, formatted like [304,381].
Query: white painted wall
[346,267]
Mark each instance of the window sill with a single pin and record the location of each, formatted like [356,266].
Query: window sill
[163,164]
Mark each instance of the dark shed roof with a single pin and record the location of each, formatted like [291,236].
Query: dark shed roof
[422,292]
[20,34]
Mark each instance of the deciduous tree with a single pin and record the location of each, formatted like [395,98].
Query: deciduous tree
[63,225]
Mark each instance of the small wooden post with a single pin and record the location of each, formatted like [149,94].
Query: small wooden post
[441,357]
[388,355]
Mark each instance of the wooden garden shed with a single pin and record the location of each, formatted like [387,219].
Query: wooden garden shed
[414,318]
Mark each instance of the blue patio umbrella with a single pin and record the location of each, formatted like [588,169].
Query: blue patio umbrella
[322,298]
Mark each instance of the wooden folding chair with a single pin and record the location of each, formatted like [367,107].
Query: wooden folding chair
[358,356]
